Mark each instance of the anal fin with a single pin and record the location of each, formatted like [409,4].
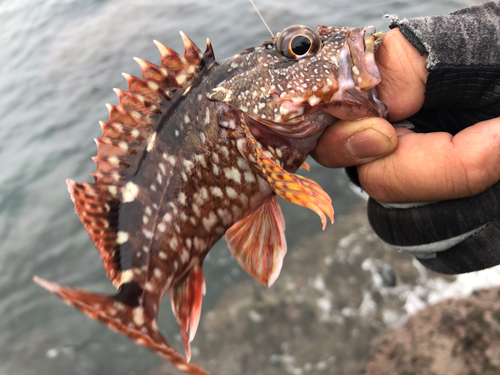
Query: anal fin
[186,297]
[291,187]
[258,242]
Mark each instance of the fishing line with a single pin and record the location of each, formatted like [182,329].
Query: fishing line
[262,18]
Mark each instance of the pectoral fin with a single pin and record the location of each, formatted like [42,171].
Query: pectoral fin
[258,242]
[291,187]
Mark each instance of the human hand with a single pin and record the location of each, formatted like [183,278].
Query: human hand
[398,165]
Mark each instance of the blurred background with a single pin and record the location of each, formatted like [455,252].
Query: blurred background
[339,290]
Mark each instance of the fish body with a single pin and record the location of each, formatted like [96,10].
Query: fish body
[197,149]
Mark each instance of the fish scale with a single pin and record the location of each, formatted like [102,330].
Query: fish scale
[196,149]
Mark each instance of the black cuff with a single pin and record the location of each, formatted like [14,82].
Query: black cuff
[453,236]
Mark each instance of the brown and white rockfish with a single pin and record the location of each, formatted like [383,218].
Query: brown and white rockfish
[197,149]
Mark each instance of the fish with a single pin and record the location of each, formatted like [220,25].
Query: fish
[198,148]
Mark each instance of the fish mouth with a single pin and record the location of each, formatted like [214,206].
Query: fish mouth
[358,75]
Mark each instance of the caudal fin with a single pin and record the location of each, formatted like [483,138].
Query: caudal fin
[125,314]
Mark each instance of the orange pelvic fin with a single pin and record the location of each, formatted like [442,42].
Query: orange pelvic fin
[125,313]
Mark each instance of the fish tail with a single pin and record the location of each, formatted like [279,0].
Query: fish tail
[125,314]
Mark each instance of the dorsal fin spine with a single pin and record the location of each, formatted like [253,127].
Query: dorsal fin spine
[209,52]
[192,53]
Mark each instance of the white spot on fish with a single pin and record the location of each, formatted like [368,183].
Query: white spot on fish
[207,116]
[188,243]
[147,233]
[186,91]
[199,244]
[204,193]
[162,227]
[233,174]
[313,100]
[169,158]
[188,164]
[138,316]
[114,160]
[242,163]
[157,273]
[225,151]
[162,255]
[162,168]
[217,192]
[173,243]
[355,70]
[121,237]
[112,190]
[184,256]
[127,276]
[201,160]
[225,215]
[187,120]
[231,193]
[151,142]
[198,198]
[209,222]
[196,209]
[182,198]
[181,79]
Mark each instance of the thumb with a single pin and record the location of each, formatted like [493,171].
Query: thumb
[348,143]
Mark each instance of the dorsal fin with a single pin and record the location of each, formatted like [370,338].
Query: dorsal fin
[132,124]
[126,137]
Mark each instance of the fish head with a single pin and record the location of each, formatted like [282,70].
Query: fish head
[303,79]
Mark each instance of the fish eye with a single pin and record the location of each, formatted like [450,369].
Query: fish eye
[297,42]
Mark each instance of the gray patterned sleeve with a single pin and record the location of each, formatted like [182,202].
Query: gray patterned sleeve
[463,57]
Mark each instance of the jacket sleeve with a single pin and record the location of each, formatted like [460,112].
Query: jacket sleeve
[463,88]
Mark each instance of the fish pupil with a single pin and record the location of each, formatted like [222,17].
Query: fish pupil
[300,45]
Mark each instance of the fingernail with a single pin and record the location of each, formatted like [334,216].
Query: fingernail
[368,143]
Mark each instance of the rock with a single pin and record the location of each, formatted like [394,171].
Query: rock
[459,337]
